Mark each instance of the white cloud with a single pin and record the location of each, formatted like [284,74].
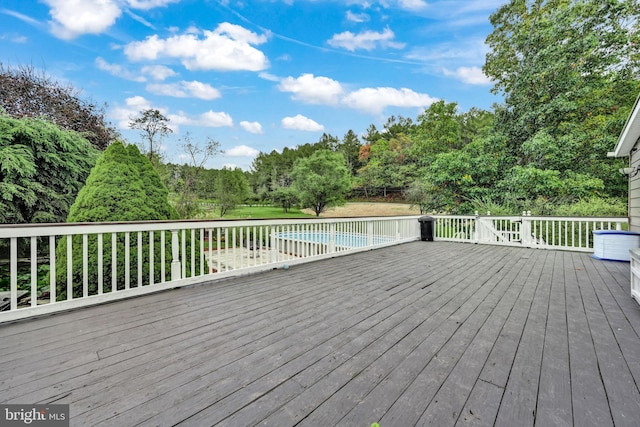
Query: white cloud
[470,75]
[133,105]
[184,89]
[241,151]
[71,18]
[251,127]
[357,17]
[118,70]
[227,48]
[323,90]
[270,77]
[149,4]
[300,122]
[375,100]
[367,40]
[215,119]
[412,4]
[158,72]
[313,90]
[15,38]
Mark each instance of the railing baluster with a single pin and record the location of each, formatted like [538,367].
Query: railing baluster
[193,252]
[218,247]
[52,269]
[226,249]
[13,271]
[163,257]
[210,265]
[139,250]
[127,260]
[100,264]
[85,265]
[202,271]
[69,267]
[183,254]
[34,271]
[152,263]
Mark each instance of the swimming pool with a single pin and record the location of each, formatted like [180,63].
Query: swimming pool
[340,239]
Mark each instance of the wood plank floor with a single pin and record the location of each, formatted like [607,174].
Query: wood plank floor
[424,334]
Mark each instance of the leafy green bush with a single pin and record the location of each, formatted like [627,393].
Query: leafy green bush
[594,206]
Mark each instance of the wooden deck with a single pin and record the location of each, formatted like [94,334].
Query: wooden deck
[425,333]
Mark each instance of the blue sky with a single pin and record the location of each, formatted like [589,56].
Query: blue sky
[256,75]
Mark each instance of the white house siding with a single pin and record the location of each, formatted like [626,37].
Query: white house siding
[634,193]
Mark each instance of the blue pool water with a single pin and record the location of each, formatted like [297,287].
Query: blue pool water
[350,240]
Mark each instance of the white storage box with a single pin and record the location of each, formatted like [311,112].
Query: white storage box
[614,245]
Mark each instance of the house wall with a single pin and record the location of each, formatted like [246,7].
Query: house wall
[634,192]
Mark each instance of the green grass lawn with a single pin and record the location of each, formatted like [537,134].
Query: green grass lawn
[255,212]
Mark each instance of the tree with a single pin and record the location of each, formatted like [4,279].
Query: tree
[438,131]
[321,180]
[232,189]
[566,69]
[327,142]
[153,126]
[123,186]
[286,197]
[350,149]
[418,194]
[42,168]
[388,164]
[197,155]
[24,93]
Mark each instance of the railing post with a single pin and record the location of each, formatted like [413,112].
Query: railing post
[332,237]
[369,233]
[525,232]
[175,256]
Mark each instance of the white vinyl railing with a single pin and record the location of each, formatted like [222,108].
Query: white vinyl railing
[564,233]
[54,267]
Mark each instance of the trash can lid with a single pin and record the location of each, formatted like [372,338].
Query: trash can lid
[425,218]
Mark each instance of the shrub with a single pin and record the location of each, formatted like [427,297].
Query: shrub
[123,186]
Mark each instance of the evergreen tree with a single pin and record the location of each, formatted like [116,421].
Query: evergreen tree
[123,186]
[41,169]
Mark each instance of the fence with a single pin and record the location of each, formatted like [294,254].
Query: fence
[55,267]
[564,233]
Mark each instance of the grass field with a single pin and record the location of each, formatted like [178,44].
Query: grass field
[255,212]
[356,209]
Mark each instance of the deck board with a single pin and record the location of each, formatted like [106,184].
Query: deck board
[424,333]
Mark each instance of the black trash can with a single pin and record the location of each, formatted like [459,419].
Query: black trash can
[426,228]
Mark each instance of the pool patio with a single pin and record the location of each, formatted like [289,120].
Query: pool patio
[422,333]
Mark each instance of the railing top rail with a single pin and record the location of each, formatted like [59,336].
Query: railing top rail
[539,217]
[56,229]
[581,218]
